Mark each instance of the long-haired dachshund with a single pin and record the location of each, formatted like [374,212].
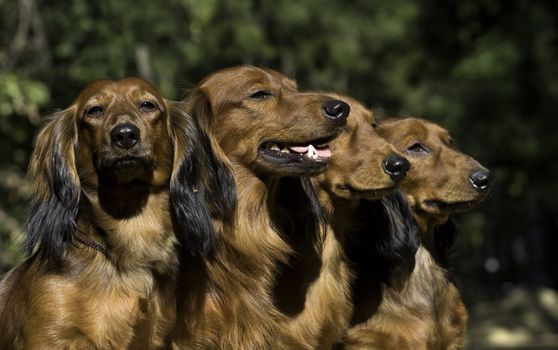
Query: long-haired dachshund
[423,310]
[315,288]
[268,131]
[120,176]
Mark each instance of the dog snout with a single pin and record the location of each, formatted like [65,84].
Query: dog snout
[396,167]
[125,135]
[481,180]
[336,110]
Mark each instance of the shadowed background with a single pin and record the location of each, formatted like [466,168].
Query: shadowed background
[487,70]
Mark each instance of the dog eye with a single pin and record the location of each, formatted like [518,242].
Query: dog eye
[418,148]
[260,95]
[94,111]
[148,106]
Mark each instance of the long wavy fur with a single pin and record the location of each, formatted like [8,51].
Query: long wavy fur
[388,238]
[202,186]
[401,240]
[53,210]
[201,189]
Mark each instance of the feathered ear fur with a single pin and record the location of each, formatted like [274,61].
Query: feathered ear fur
[391,239]
[202,186]
[316,218]
[444,239]
[402,241]
[218,174]
[53,210]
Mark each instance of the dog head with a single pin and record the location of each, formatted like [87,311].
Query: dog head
[442,180]
[120,137]
[122,134]
[263,123]
[363,165]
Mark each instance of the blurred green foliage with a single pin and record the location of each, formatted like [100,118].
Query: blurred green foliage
[487,70]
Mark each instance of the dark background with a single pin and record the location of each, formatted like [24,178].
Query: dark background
[487,70]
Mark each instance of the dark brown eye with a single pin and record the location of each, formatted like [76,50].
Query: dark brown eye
[94,111]
[260,95]
[148,106]
[374,125]
[418,148]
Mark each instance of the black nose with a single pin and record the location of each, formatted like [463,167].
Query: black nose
[337,110]
[125,135]
[481,180]
[396,167]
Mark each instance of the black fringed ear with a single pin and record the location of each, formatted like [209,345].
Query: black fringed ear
[202,187]
[317,218]
[219,184]
[402,240]
[444,240]
[53,210]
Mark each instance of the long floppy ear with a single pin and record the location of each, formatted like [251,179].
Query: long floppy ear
[403,240]
[444,239]
[219,182]
[202,187]
[53,210]
[316,218]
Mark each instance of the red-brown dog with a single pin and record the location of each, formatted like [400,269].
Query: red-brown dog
[271,134]
[112,174]
[423,310]
[315,288]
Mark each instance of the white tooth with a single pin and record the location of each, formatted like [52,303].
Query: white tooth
[312,152]
[275,147]
[285,150]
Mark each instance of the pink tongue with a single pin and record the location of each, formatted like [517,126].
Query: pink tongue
[299,149]
[324,152]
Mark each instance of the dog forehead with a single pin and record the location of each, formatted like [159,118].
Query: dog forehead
[138,84]
[125,87]
[403,130]
[245,77]
[430,131]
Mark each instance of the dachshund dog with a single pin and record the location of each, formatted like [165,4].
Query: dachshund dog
[423,310]
[271,134]
[315,286]
[119,178]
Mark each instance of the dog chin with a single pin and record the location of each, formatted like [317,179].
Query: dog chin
[130,170]
[132,176]
[435,206]
[349,192]
[296,168]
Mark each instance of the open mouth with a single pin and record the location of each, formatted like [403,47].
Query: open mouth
[450,206]
[316,152]
[366,193]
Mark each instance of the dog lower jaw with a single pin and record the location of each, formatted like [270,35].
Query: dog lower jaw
[129,170]
[435,206]
[350,192]
[299,169]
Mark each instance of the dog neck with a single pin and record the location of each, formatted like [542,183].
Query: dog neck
[237,282]
[436,235]
[341,214]
[133,232]
[254,229]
